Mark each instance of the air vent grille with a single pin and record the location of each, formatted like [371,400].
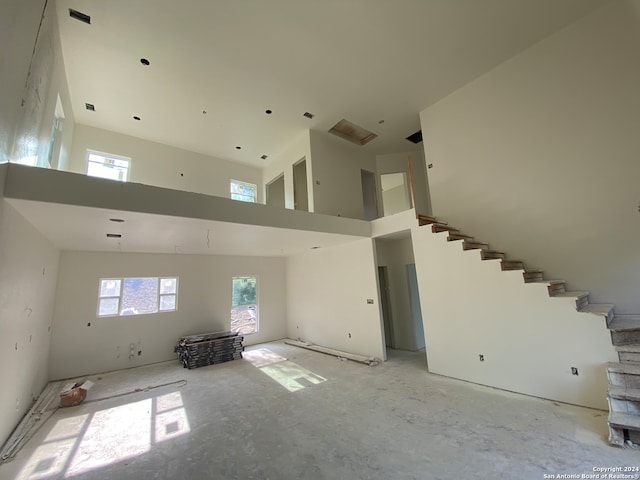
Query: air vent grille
[83,17]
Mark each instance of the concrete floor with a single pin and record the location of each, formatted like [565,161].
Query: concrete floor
[288,413]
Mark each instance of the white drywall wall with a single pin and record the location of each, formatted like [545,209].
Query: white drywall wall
[283,163]
[399,162]
[27,285]
[539,157]
[32,79]
[19,21]
[395,200]
[162,165]
[337,185]
[204,305]
[396,255]
[327,292]
[529,340]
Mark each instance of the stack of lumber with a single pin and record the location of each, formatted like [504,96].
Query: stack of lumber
[209,348]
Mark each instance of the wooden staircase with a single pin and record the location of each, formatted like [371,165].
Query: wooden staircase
[624,376]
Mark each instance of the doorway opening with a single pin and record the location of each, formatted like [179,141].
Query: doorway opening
[395,193]
[275,192]
[369,195]
[300,190]
[400,306]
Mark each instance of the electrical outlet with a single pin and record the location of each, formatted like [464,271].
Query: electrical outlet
[574,371]
[349,335]
[369,301]
[481,357]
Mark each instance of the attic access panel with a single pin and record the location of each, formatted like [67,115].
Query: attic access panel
[352,132]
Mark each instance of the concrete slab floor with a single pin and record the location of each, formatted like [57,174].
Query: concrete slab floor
[288,413]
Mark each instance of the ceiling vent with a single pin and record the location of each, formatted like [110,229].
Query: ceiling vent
[352,132]
[415,137]
[90,106]
[308,115]
[83,17]
[114,235]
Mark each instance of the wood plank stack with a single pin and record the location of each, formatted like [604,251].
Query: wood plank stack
[209,348]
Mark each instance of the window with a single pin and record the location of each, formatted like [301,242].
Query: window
[136,296]
[244,305]
[245,192]
[105,165]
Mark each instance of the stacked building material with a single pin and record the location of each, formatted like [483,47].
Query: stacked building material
[209,348]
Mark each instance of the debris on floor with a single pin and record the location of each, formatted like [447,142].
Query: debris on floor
[371,361]
[74,394]
[209,348]
[42,409]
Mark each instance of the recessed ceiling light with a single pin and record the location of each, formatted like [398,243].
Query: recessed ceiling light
[145,62]
[117,220]
[135,117]
[90,107]
[308,115]
[238,148]
[114,235]
[268,112]
[83,17]
[263,157]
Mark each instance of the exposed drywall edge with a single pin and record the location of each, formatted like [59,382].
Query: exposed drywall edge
[4,167]
[399,222]
[75,189]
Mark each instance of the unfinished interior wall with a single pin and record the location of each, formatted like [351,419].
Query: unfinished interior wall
[282,164]
[399,162]
[327,292]
[28,272]
[204,305]
[539,157]
[528,340]
[396,254]
[162,165]
[337,188]
[32,78]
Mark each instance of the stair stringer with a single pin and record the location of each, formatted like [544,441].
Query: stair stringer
[529,341]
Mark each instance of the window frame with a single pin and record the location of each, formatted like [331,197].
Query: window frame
[111,156]
[257,304]
[240,182]
[159,296]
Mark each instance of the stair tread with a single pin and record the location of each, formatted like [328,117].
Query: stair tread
[576,294]
[625,393]
[550,282]
[630,368]
[618,324]
[624,420]
[633,348]
[623,316]
[599,308]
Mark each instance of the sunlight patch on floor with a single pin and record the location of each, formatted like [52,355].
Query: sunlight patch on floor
[83,443]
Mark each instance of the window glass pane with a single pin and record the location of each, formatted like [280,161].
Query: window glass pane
[108,306]
[245,192]
[110,167]
[109,288]
[139,295]
[244,315]
[167,302]
[168,285]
